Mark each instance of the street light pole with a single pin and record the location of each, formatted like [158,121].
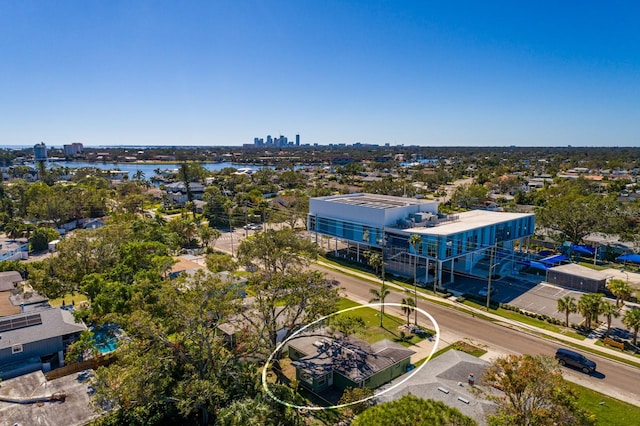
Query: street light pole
[491,254]
[624,272]
[383,243]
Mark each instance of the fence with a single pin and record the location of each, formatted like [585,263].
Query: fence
[92,364]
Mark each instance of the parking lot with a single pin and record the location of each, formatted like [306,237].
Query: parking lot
[529,293]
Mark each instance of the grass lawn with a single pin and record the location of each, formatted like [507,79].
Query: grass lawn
[68,298]
[601,344]
[373,332]
[459,346]
[592,266]
[608,411]
[530,321]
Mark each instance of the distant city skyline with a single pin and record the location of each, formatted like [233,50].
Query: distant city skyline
[207,73]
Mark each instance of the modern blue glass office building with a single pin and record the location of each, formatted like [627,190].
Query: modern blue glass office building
[447,243]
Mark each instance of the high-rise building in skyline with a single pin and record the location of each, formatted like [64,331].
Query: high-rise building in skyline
[40,152]
[73,149]
[281,141]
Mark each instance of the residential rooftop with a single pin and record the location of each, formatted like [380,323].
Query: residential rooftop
[9,280]
[351,357]
[34,326]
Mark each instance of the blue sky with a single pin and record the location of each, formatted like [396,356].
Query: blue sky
[476,73]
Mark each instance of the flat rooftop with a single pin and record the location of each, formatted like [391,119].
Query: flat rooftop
[375,201]
[466,221]
[582,271]
[76,410]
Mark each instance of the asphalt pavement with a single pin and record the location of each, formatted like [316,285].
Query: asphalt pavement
[502,336]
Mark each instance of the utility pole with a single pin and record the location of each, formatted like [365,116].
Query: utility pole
[230,228]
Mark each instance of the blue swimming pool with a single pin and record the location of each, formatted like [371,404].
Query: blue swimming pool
[105,339]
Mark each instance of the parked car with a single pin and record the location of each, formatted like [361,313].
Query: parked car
[483,292]
[576,360]
[253,227]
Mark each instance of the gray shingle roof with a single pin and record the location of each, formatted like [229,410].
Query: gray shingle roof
[352,358]
[179,187]
[9,279]
[55,322]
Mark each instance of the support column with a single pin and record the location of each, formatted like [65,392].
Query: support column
[452,266]
[426,272]
[61,358]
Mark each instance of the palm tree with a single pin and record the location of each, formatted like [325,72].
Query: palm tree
[632,320]
[13,229]
[610,311]
[374,259]
[414,240]
[620,289]
[263,206]
[379,296]
[408,306]
[589,307]
[138,176]
[567,305]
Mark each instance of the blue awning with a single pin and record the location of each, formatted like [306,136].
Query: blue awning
[554,259]
[583,249]
[635,258]
[537,265]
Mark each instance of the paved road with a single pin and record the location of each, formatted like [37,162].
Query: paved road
[615,379]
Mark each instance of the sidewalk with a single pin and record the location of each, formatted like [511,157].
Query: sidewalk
[587,343]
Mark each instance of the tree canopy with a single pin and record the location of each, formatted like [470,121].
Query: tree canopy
[533,393]
[412,411]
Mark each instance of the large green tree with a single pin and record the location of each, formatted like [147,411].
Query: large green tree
[412,411]
[276,251]
[41,237]
[177,362]
[469,195]
[89,251]
[283,302]
[533,393]
[574,209]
